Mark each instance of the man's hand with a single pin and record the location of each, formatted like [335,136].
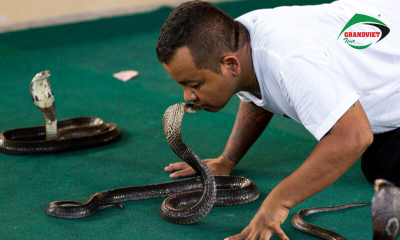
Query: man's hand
[250,122]
[266,223]
[337,151]
[218,166]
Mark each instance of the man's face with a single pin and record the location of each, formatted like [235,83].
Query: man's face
[203,87]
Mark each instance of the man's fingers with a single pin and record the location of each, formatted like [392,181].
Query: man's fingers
[176,166]
[182,170]
[240,236]
[280,234]
[265,235]
[236,237]
[182,173]
[254,235]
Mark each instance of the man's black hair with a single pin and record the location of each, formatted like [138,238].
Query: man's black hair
[206,30]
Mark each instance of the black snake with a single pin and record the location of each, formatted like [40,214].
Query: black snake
[54,137]
[193,197]
[385,214]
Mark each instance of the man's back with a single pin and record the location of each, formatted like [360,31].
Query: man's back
[309,71]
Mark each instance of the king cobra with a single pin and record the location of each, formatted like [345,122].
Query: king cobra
[54,137]
[191,200]
[385,214]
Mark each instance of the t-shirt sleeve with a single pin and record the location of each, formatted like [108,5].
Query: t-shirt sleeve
[243,96]
[313,86]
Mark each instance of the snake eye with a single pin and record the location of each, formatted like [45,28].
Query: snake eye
[36,98]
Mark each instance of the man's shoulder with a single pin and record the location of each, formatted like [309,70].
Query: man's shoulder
[288,25]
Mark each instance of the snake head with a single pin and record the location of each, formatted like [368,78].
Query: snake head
[42,75]
[41,91]
[386,210]
[191,108]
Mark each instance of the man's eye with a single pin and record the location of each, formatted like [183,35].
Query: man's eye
[197,86]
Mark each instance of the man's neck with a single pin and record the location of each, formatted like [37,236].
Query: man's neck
[248,78]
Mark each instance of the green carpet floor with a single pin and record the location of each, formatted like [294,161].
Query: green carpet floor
[82,58]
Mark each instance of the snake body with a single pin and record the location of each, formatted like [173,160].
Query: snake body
[55,136]
[385,215]
[193,197]
[300,224]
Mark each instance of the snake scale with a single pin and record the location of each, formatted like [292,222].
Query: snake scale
[56,136]
[189,200]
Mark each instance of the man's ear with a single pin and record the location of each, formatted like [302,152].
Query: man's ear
[230,63]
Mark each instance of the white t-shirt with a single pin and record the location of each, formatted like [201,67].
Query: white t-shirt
[308,72]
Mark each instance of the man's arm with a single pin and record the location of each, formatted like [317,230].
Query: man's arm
[333,155]
[250,122]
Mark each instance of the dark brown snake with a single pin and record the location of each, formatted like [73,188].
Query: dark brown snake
[55,137]
[193,197]
[385,214]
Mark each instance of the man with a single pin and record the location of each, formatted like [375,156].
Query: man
[299,62]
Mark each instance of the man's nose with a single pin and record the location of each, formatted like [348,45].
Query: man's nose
[189,95]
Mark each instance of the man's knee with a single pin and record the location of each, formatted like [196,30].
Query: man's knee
[382,159]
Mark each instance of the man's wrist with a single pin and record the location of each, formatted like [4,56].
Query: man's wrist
[226,161]
[286,195]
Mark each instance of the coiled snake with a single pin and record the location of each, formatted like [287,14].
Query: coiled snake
[54,137]
[193,197]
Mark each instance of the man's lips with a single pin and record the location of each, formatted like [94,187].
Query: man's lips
[200,107]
